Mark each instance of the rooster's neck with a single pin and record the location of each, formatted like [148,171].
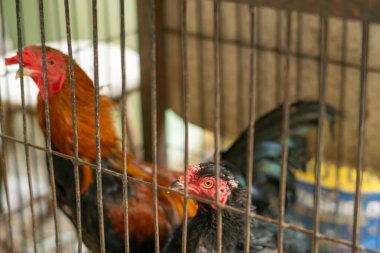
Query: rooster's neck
[61,123]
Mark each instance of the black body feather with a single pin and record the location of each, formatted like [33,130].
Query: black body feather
[202,229]
[268,150]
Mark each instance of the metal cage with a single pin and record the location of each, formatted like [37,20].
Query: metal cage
[281,50]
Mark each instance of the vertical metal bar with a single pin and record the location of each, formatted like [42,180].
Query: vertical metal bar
[33,154]
[239,60]
[320,142]
[5,177]
[124,124]
[185,85]
[41,230]
[47,120]
[341,125]
[25,132]
[259,85]
[145,39]
[57,26]
[200,70]
[76,27]
[299,53]
[20,197]
[97,126]
[153,91]
[362,116]
[107,38]
[278,56]
[252,115]
[284,137]
[75,130]
[216,10]
[3,163]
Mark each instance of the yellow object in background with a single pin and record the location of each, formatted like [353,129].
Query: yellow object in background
[345,181]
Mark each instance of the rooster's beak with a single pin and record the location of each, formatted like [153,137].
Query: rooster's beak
[25,72]
[177,185]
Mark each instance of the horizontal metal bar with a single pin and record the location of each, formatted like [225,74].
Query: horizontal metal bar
[276,50]
[363,9]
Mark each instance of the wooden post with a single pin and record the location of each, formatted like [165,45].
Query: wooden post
[145,47]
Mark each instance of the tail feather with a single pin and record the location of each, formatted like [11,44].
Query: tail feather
[304,115]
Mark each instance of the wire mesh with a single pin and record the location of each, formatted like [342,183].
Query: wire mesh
[255,80]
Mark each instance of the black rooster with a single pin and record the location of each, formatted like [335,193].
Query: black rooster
[202,235]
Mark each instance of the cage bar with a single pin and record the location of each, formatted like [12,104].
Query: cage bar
[365,9]
[320,142]
[342,97]
[4,172]
[251,126]
[284,137]
[25,132]
[145,19]
[99,195]
[48,129]
[277,97]
[361,144]
[217,94]
[124,125]
[258,43]
[299,52]
[186,98]
[75,130]
[153,115]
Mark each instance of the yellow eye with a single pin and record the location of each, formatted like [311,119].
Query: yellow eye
[207,184]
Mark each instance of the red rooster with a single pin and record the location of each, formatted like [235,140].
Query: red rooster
[140,196]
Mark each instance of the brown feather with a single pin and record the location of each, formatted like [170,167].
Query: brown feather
[141,214]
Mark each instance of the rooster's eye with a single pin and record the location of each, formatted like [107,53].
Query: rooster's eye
[207,184]
[51,62]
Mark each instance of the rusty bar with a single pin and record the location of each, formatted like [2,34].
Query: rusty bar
[145,40]
[320,143]
[285,135]
[252,115]
[99,195]
[3,162]
[216,18]
[364,9]
[299,59]
[75,130]
[24,123]
[239,61]
[201,93]
[185,87]
[259,86]
[124,125]
[341,125]
[361,145]
[278,56]
[47,120]
[153,103]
